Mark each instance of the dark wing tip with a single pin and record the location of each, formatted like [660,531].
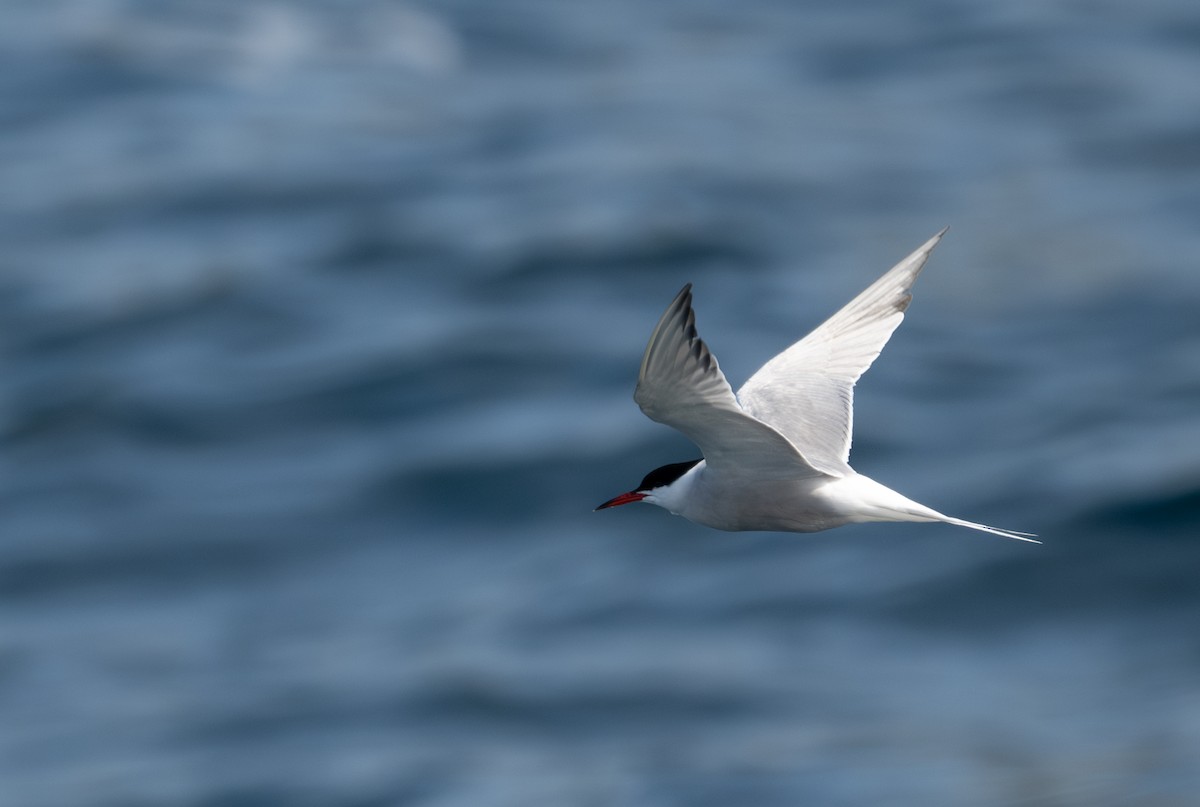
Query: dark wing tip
[683,299]
[696,347]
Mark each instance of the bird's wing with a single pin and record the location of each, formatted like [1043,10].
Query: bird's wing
[807,391]
[681,385]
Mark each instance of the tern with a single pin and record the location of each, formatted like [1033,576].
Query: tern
[776,454]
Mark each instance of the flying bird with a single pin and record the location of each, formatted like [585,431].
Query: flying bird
[776,454]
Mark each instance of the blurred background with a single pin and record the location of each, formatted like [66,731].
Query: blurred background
[320,324]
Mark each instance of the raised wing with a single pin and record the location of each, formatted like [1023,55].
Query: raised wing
[681,385]
[807,391]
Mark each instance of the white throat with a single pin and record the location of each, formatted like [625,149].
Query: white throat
[675,496]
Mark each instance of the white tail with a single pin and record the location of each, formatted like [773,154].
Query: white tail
[919,512]
[1019,536]
[867,500]
[908,510]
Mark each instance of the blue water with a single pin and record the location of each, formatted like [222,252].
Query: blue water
[320,325]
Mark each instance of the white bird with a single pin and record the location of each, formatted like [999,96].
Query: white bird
[776,454]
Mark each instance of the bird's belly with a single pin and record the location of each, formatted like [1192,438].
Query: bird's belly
[793,505]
